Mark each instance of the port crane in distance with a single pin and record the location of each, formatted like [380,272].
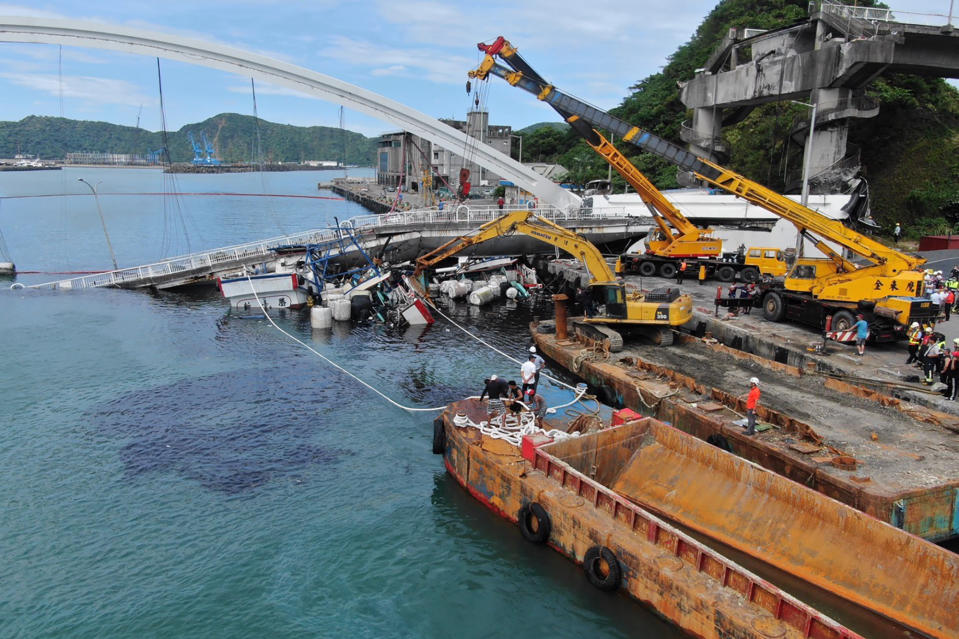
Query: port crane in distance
[653,315]
[676,239]
[886,285]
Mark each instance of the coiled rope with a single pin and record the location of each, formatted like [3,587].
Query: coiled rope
[509,428]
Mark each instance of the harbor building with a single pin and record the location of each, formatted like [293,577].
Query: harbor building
[405,159]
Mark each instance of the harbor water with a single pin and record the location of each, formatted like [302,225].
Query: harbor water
[172,470]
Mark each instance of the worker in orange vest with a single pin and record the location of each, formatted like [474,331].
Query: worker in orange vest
[751,401]
[681,271]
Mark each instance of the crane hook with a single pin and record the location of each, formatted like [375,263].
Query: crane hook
[469,86]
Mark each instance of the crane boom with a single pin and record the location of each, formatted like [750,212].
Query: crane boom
[681,238]
[889,261]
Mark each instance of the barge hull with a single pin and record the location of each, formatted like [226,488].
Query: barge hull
[682,580]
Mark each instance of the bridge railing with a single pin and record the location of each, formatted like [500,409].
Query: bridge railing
[185,264]
[873,14]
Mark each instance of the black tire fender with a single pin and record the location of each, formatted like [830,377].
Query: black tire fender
[726,273]
[749,274]
[534,523]
[602,568]
[439,436]
[774,309]
[843,320]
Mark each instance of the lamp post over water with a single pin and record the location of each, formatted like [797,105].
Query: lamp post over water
[103,223]
[806,161]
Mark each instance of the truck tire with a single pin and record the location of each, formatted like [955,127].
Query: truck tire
[842,320]
[667,270]
[726,273]
[647,269]
[773,307]
[749,274]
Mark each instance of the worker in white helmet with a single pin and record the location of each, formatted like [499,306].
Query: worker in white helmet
[752,400]
[540,364]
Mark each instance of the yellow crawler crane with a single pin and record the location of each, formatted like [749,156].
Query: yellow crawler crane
[655,314]
[887,288]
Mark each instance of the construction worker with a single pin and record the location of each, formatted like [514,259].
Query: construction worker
[897,233]
[915,337]
[930,362]
[950,371]
[862,333]
[681,271]
[751,402]
[949,303]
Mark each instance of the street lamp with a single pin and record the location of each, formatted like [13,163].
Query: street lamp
[103,223]
[806,161]
[519,158]
[807,153]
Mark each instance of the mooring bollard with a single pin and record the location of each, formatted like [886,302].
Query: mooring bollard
[560,302]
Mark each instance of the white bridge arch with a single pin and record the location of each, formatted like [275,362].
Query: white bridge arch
[117,38]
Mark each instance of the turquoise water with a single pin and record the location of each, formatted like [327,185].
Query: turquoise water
[170,470]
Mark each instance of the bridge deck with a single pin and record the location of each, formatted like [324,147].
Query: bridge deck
[406,234]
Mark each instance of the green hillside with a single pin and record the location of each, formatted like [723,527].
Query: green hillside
[909,152]
[234,137]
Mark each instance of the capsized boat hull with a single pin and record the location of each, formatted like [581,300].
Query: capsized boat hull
[274,290]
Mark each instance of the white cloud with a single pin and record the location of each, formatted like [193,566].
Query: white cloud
[265,88]
[23,10]
[418,62]
[87,88]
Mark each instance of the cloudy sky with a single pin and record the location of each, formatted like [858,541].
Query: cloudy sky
[414,51]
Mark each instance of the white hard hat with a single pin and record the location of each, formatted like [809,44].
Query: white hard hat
[914,325]
[492,377]
[754,381]
[532,349]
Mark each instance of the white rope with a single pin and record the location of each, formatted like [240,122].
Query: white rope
[490,346]
[510,428]
[331,362]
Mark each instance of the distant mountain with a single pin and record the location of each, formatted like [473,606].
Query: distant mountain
[233,136]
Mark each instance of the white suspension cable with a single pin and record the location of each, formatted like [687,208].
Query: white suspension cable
[490,346]
[331,362]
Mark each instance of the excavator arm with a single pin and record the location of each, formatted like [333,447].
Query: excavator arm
[889,260]
[681,237]
[526,223]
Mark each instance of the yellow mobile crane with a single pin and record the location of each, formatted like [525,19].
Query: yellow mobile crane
[887,289]
[656,314]
[677,238]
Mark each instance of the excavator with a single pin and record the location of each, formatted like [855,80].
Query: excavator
[653,314]
[884,284]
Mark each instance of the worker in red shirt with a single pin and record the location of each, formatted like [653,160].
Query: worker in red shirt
[751,402]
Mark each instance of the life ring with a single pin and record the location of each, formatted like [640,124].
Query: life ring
[534,523]
[602,568]
[439,436]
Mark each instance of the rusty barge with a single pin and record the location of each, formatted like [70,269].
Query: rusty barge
[891,459]
[562,494]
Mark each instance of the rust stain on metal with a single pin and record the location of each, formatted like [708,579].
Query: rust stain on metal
[701,591]
[663,393]
[791,527]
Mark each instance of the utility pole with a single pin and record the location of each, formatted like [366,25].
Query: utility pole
[807,160]
[103,223]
